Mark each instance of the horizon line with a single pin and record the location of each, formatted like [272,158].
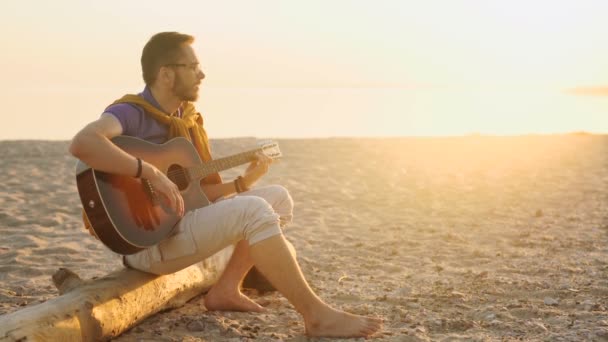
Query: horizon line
[467,135]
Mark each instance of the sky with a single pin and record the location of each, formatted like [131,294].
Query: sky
[292,69]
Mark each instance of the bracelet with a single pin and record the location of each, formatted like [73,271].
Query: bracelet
[236,186]
[241,182]
[139,168]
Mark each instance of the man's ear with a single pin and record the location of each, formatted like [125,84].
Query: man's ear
[166,75]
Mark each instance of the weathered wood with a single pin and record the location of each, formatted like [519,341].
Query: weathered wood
[65,280]
[103,308]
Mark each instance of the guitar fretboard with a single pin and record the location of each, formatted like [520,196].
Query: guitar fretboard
[217,165]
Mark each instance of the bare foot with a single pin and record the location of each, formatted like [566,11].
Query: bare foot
[232,301]
[335,323]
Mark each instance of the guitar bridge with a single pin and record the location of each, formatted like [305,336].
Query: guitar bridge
[150,192]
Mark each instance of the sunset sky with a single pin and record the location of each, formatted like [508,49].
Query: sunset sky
[318,68]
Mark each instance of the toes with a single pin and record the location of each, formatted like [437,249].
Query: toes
[379,320]
[372,326]
[369,330]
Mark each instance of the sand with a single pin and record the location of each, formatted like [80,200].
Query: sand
[470,238]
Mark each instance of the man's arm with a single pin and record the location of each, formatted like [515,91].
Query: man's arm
[92,145]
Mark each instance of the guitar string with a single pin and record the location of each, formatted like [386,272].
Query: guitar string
[176,172]
[181,170]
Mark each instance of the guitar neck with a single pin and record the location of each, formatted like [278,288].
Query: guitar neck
[217,165]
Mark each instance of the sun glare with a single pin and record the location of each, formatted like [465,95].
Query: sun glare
[388,68]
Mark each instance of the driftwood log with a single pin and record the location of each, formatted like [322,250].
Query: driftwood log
[101,309]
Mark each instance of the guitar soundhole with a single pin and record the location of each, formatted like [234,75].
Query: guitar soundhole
[177,175]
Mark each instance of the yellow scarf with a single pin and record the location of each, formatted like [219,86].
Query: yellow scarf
[191,121]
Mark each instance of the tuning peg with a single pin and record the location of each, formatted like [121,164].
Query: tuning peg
[266,142]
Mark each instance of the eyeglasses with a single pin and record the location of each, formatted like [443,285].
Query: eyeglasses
[192,66]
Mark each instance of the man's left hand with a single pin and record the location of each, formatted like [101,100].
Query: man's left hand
[257,169]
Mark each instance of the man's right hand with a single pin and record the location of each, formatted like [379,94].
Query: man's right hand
[164,186]
[93,141]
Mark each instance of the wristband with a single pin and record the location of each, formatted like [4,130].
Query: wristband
[241,184]
[236,186]
[139,168]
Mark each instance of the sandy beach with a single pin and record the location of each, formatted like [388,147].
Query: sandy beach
[465,238]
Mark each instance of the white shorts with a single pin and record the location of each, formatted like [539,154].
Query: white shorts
[254,215]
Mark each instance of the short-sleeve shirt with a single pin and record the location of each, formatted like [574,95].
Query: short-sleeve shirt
[137,123]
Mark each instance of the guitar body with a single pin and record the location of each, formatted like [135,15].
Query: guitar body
[125,212]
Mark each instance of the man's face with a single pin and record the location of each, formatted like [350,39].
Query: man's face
[188,75]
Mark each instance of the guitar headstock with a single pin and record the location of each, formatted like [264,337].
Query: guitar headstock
[270,148]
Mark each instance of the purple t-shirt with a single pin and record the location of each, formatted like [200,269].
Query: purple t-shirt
[136,123]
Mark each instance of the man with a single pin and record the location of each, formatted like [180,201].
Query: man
[250,220]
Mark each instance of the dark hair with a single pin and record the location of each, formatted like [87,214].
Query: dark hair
[163,48]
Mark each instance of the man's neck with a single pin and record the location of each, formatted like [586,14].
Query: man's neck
[168,102]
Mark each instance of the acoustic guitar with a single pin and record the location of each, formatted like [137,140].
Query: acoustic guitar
[126,214]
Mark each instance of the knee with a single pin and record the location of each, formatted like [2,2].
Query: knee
[284,194]
[283,201]
[254,204]
[260,221]
[255,211]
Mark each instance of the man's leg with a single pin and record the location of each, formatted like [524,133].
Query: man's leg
[225,295]
[251,218]
[273,258]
